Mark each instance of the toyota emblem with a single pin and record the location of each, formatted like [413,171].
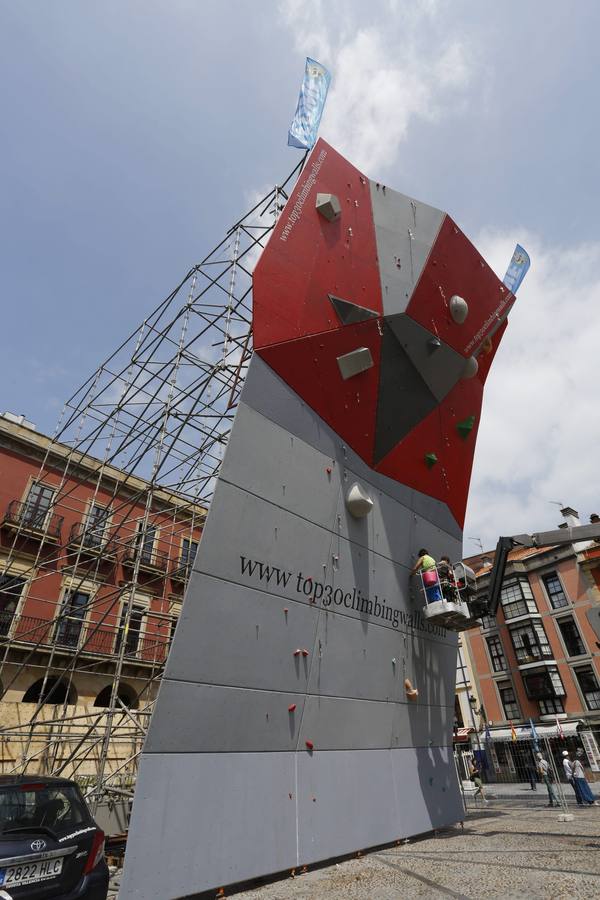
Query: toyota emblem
[38,845]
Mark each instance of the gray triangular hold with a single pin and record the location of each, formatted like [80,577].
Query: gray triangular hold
[349,313]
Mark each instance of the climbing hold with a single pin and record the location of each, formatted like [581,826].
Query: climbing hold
[465,427]
[328,206]
[355,362]
[487,346]
[291,707]
[434,344]
[304,652]
[430,460]
[459,309]
[358,502]
[411,692]
[309,745]
[329,470]
[297,651]
[471,368]
[285,609]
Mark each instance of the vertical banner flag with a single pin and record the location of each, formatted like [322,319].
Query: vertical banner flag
[517,269]
[311,101]
[513,733]
[559,731]
[534,736]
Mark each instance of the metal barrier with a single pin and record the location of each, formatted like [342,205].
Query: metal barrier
[512,774]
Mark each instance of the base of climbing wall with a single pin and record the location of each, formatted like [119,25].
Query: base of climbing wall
[238,816]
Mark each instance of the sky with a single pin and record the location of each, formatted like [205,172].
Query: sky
[134,132]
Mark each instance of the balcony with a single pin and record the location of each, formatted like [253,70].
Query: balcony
[72,635]
[34,521]
[149,560]
[92,540]
[181,569]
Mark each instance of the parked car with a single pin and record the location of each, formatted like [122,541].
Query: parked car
[50,846]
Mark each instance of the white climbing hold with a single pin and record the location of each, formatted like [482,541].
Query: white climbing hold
[459,309]
[471,368]
[358,502]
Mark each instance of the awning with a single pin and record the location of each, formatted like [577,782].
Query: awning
[524,732]
[462,734]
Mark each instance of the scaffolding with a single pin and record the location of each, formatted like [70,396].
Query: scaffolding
[148,428]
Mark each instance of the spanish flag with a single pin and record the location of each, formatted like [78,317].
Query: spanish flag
[513,733]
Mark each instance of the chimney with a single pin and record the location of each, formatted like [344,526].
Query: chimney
[571,516]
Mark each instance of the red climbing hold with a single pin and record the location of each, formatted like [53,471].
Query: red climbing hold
[309,745]
[291,707]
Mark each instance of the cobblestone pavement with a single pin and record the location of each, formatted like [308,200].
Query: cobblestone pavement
[503,853]
[519,853]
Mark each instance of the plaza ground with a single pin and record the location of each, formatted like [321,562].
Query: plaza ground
[502,852]
[506,850]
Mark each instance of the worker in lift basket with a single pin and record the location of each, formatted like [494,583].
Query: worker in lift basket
[425,564]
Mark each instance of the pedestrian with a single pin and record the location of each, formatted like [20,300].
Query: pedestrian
[581,782]
[545,774]
[567,766]
[475,775]
[425,564]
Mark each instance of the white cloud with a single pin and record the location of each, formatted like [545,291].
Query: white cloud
[386,72]
[540,428]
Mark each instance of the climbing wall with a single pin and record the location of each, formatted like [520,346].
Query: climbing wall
[283,733]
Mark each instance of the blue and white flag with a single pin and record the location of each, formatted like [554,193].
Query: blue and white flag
[534,736]
[311,101]
[517,269]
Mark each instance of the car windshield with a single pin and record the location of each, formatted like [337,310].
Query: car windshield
[53,807]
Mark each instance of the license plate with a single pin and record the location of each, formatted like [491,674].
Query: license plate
[27,873]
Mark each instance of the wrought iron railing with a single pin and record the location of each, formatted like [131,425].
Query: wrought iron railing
[33,519]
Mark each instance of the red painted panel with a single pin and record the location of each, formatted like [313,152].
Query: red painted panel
[455,267]
[308,257]
[448,480]
[309,366]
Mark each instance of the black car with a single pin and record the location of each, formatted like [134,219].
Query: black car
[50,847]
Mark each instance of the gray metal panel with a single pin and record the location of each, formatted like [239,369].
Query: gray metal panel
[405,231]
[427,790]
[297,547]
[334,723]
[404,399]
[266,393]
[235,635]
[209,718]
[230,817]
[356,662]
[441,368]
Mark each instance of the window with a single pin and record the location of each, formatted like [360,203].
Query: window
[496,653]
[530,642]
[516,597]
[551,706]
[188,551]
[554,589]
[571,637]
[175,610]
[125,694]
[541,684]
[145,542]
[73,612]
[37,505]
[509,701]
[11,589]
[95,525]
[132,640]
[589,686]
[54,690]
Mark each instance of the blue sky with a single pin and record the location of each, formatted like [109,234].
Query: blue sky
[134,133]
